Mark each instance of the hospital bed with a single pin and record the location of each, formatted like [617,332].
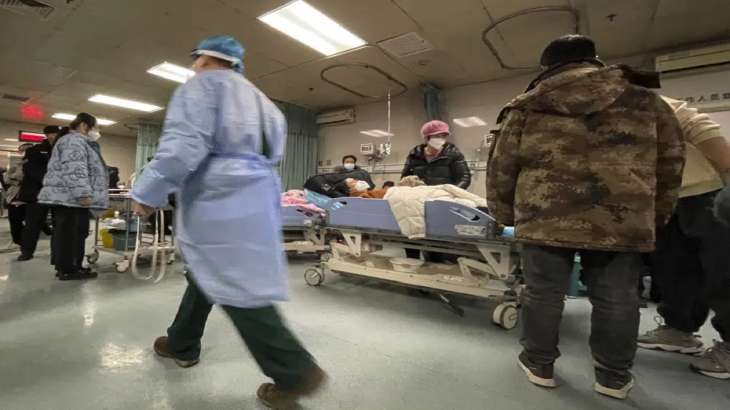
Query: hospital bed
[486,264]
[302,231]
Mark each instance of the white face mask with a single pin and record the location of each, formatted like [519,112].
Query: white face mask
[362,186]
[94,135]
[349,166]
[437,143]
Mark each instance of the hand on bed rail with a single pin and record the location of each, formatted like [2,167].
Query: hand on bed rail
[142,210]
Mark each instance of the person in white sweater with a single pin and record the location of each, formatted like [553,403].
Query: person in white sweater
[691,264]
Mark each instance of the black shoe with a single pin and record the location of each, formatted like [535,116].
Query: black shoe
[24,257]
[77,275]
[613,383]
[538,374]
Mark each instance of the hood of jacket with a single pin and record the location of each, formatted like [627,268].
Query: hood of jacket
[578,90]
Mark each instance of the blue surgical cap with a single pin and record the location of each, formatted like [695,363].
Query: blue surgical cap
[224,47]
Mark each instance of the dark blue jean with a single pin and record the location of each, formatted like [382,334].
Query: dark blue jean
[612,279]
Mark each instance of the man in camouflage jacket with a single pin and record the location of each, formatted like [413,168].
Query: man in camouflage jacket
[584,162]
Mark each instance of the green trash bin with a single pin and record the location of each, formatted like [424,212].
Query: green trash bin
[120,240]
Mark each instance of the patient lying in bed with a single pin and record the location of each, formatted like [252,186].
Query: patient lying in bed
[361,189]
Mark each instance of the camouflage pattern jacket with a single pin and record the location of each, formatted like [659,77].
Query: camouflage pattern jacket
[586,160]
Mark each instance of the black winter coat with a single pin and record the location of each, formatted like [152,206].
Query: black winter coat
[449,167]
[333,184]
[34,169]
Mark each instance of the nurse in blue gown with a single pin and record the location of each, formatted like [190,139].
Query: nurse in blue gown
[220,144]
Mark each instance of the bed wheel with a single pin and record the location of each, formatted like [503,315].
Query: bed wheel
[506,316]
[93,257]
[122,266]
[313,277]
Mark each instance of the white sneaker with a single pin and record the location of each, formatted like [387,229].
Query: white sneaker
[10,247]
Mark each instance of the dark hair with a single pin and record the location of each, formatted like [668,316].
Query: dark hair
[51,129]
[388,184]
[354,158]
[63,131]
[83,118]
[570,48]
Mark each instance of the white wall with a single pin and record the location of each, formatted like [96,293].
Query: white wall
[484,100]
[118,151]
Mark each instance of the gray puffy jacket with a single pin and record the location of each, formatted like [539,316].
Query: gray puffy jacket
[76,170]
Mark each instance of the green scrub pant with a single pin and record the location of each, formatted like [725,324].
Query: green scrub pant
[277,352]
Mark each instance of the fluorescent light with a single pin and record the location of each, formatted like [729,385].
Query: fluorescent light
[312,28]
[172,72]
[104,122]
[124,103]
[469,122]
[10,140]
[377,133]
[70,117]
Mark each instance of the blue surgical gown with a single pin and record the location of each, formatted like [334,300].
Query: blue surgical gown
[211,153]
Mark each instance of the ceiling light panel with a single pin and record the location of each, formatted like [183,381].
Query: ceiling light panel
[124,103]
[468,122]
[172,72]
[312,28]
[70,117]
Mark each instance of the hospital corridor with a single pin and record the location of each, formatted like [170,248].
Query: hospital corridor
[361,205]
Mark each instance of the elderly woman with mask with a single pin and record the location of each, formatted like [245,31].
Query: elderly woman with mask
[76,182]
[438,162]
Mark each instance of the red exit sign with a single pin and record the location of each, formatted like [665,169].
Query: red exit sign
[27,136]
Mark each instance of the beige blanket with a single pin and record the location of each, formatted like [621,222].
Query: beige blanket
[408,205]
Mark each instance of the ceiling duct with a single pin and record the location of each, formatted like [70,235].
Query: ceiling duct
[28,8]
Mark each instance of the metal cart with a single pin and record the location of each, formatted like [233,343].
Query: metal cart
[157,246]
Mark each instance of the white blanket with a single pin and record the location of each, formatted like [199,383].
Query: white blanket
[408,205]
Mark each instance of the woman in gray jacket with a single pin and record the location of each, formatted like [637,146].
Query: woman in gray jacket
[76,181]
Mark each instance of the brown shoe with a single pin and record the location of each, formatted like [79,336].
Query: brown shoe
[162,349]
[276,398]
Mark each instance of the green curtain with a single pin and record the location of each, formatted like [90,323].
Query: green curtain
[302,146]
[148,136]
[433,102]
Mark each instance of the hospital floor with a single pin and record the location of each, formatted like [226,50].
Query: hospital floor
[87,345]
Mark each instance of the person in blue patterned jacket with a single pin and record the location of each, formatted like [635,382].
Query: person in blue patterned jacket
[76,182]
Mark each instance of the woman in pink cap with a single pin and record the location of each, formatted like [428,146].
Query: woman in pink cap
[437,162]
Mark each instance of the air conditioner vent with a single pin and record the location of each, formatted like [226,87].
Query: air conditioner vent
[714,55]
[28,8]
[406,45]
[336,117]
